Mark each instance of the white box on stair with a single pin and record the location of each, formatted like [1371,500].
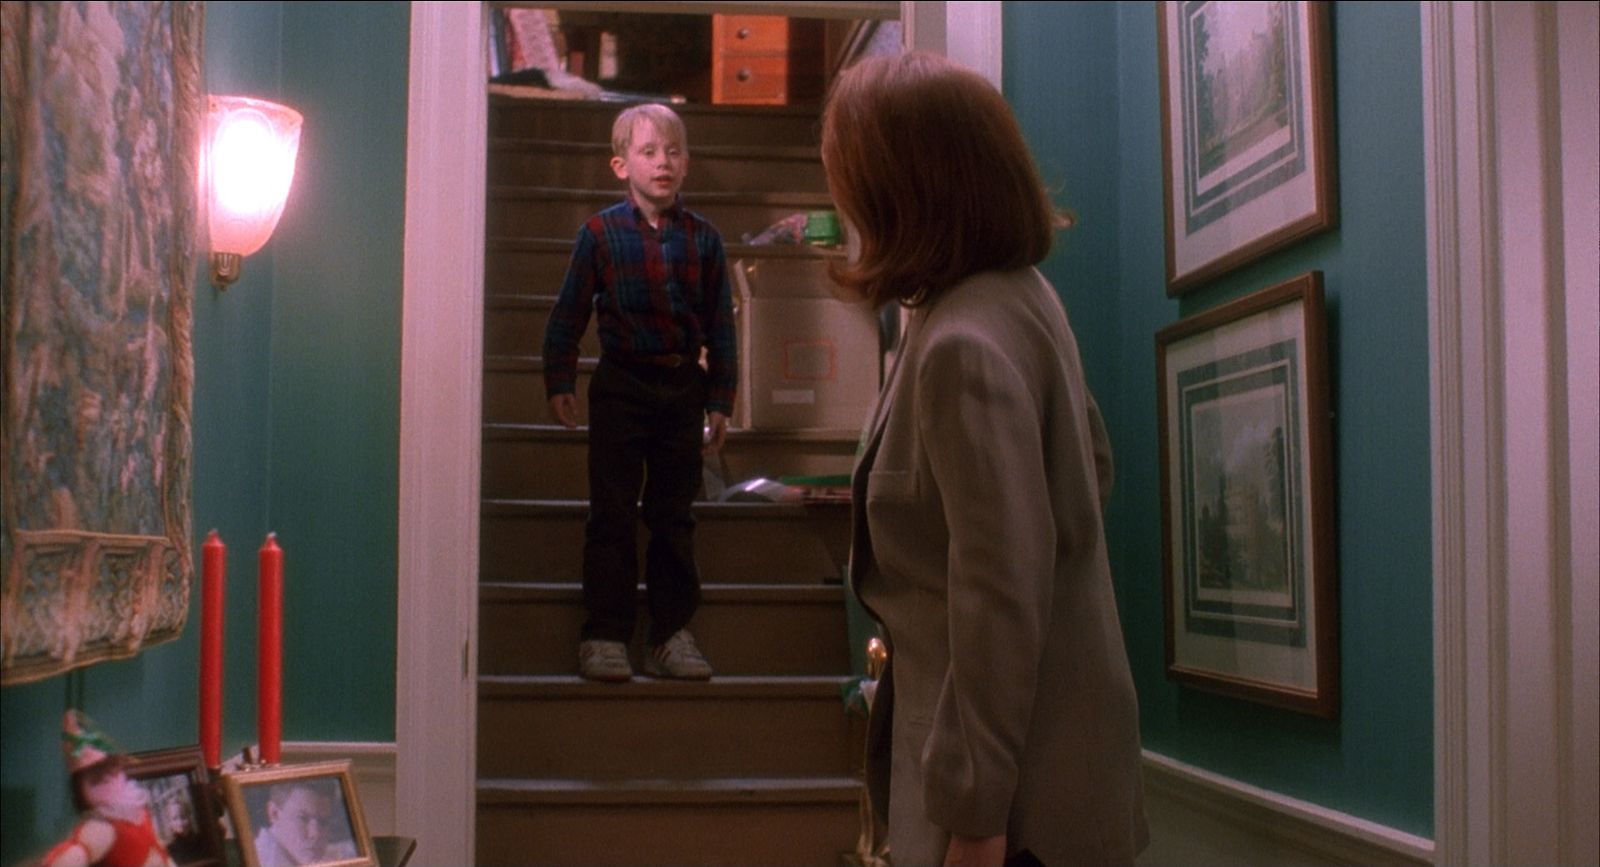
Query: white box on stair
[807,360]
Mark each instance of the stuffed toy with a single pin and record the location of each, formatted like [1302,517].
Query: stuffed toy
[114,829]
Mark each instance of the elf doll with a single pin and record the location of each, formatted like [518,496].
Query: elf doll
[114,829]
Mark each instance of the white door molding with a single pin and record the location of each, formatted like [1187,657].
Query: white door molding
[967,31]
[441,369]
[1511,396]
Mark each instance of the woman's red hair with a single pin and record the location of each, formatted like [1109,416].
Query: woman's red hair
[925,159]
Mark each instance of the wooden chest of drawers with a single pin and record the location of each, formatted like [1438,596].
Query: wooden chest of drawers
[749,59]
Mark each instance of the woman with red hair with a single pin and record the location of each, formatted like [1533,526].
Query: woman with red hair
[1005,729]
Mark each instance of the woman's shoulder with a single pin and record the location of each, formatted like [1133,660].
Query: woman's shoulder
[1015,303]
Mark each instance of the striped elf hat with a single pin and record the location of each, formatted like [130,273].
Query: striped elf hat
[83,743]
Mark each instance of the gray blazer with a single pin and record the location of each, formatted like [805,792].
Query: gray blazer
[978,545]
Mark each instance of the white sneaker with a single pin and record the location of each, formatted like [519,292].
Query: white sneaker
[605,661]
[677,658]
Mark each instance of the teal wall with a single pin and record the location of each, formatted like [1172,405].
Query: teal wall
[232,403]
[1083,77]
[296,408]
[336,367]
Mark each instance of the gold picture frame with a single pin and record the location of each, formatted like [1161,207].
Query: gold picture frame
[272,809]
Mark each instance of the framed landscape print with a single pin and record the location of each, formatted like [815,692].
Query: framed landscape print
[1246,132]
[1247,500]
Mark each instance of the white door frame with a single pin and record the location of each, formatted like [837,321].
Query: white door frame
[441,393]
[1509,100]
[963,30]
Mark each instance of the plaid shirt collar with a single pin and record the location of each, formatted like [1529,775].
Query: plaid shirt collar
[671,212]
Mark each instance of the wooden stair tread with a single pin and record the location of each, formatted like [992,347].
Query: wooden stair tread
[607,109]
[603,111]
[520,432]
[731,249]
[702,509]
[647,791]
[565,194]
[602,150]
[527,591]
[571,686]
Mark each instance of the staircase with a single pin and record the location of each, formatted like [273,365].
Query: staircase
[760,765]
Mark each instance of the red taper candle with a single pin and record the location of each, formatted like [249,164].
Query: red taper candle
[213,574]
[269,650]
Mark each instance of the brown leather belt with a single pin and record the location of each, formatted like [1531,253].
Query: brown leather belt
[668,361]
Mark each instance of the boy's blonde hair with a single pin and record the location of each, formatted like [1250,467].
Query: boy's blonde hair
[664,119]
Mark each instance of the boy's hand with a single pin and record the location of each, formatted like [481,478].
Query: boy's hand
[717,434]
[565,408]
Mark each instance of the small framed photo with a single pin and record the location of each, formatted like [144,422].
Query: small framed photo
[1247,500]
[182,804]
[307,814]
[1246,132]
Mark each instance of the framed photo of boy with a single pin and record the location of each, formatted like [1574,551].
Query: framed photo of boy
[1246,132]
[306,814]
[181,804]
[1247,500]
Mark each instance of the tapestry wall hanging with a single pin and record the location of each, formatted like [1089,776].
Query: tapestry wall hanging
[100,118]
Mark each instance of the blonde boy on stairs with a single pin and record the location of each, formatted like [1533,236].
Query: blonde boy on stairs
[655,276]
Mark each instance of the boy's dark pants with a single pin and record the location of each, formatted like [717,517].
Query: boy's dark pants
[646,425]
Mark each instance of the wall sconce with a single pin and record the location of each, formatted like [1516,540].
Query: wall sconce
[249,164]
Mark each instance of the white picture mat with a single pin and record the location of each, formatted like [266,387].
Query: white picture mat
[1289,202]
[1294,667]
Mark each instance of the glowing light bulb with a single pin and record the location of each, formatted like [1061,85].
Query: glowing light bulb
[250,166]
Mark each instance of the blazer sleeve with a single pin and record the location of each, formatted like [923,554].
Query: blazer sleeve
[1104,473]
[980,421]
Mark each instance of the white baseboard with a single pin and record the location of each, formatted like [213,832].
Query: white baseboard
[1204,819]
[371,763]
[1197,818]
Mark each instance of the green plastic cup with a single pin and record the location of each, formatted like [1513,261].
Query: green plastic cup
[822,228]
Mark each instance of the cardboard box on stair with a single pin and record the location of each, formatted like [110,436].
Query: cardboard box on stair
[808,360]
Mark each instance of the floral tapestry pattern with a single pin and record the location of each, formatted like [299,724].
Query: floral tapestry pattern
[100,118]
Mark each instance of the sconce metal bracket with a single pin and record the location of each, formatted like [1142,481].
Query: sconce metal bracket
[225,269]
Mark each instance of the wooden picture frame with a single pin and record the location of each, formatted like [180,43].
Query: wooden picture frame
[1247,140]
[271,807]
[1247,500]
[182,804]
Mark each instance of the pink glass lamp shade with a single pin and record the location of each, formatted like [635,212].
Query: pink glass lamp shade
[249,164]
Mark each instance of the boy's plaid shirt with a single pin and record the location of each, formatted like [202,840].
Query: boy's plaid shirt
[658,292]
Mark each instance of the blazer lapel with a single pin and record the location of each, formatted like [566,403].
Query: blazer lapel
[872,434]
[880,732]
[880,415]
